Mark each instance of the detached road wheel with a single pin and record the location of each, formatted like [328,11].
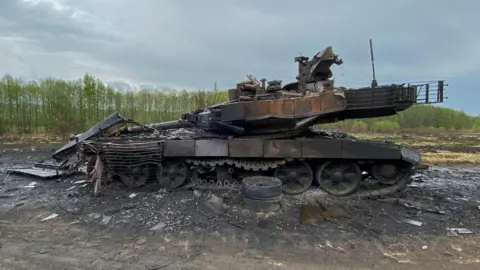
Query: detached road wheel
[262,187]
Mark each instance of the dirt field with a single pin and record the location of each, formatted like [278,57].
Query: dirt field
[152,229]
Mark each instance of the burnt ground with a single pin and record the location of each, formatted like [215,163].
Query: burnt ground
[114,231]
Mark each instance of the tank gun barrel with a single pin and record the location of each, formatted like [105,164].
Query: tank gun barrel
[162,125]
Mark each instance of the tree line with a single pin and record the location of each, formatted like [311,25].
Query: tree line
[60,107]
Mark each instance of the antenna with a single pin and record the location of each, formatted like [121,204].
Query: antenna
[374,81]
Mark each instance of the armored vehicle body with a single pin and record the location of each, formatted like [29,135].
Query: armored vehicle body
[264,129]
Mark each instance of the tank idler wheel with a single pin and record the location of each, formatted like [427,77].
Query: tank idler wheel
[339,178]
[135,176]
[172,173]
[296,176]
[387,173]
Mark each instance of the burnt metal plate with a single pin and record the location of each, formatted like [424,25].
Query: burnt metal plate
[179,148]
[306,106]
[321,148]
[246,148]
[370,150]
[233,112]
[42,172]
[282,148]
[323,103]
[278,108]
[112,121]
[211,148]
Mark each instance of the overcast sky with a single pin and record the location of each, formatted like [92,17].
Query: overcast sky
[193,43]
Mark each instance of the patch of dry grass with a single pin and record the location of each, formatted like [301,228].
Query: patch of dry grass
[30,138]
[412,140]
[451,158]
[462,148]
[434,141]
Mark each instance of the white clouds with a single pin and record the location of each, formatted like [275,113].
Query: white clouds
[193,43]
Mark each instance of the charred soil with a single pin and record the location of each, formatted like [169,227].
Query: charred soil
[151,228]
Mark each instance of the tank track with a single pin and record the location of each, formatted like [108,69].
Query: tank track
[241,164]
[250,168]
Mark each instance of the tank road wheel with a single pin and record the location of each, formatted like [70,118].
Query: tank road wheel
[135,176]
[339,178]
[387,173]
[172,173]
[296,176]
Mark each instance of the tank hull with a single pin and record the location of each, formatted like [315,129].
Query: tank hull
[222,163]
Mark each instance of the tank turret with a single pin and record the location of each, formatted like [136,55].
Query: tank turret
[256,108]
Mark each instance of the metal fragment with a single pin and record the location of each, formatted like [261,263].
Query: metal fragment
[413,222]
[52,216]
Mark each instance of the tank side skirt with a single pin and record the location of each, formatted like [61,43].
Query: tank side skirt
[281,149]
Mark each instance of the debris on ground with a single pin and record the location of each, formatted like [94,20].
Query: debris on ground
[310,214]
[460,230]
[334,211]
[79,182]
[160,226]
[413,222]
[262,194]
[94,216]
[50,217]
[216,204]
[106,220]
[412,205]
[329,244]
[31,185]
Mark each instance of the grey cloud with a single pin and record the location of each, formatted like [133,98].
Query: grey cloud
[193,43]
[39,19]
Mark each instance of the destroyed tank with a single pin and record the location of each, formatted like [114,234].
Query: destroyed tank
[264,129]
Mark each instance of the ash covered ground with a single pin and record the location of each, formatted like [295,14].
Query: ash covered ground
[150,228]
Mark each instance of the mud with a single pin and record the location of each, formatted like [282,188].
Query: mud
[152,229]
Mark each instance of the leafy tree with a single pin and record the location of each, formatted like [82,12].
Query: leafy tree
[54,106]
